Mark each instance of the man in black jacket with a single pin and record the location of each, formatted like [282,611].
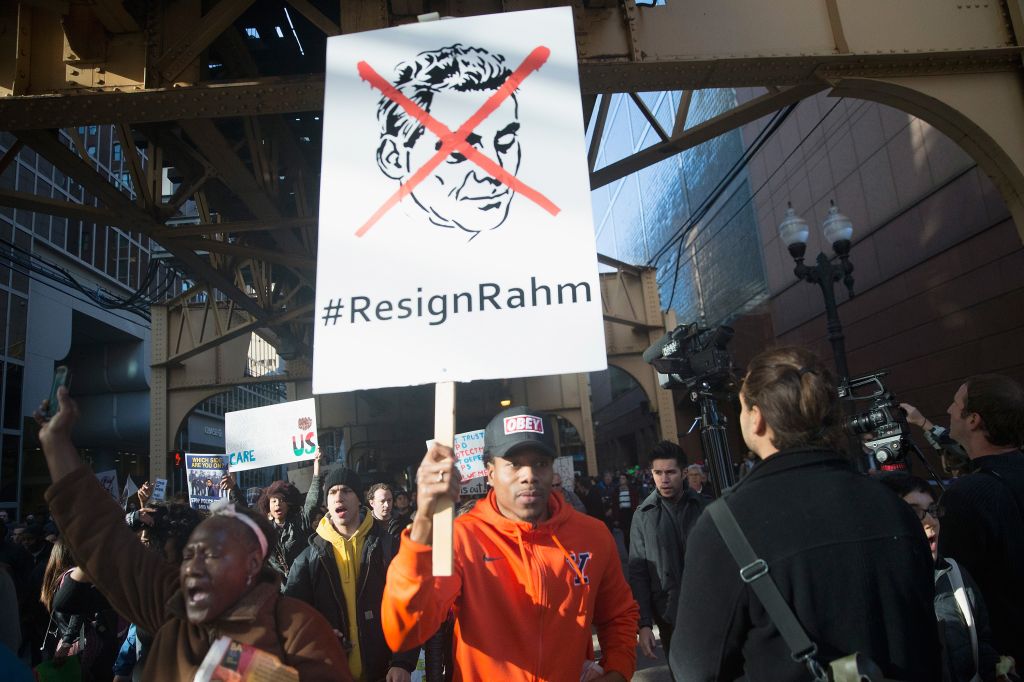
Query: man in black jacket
[983,528]
[849,558]
[657,544]
[342,575]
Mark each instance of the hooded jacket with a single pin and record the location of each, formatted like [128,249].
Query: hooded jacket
[144,589]
[314,578]
[524,596]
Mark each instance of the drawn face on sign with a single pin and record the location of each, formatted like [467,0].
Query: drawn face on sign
[451,84]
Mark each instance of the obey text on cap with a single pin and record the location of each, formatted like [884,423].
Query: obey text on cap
[523,423]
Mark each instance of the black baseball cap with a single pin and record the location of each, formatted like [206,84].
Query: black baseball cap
[518,427]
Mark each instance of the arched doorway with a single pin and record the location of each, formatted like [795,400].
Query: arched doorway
[625,429]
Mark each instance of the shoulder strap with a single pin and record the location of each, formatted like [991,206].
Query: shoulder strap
[956,580]
[754,572]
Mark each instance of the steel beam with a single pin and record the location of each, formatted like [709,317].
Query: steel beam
[691,137]
[177,58]
[67,209]
[234,227]
[250,97]
[60,156]
[296,260]
[228,334]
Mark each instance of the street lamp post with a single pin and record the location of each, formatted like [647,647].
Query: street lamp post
[838,231]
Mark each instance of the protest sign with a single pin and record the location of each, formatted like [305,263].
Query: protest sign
[271,435]
[159,490]
[469,454]
[563,467]
[487,234]
[108,479]
[203,479]
[475,488]
[129,489]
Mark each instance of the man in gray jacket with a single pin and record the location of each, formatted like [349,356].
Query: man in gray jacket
[658,543]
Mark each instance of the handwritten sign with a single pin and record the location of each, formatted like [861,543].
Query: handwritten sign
[469,454]
[159,490]
[271,435]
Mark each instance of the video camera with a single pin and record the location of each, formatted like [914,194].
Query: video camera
[885,420]
[690,355]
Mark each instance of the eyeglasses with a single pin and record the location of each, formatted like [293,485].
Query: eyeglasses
[935,511]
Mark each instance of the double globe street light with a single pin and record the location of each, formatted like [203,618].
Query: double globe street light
[838,231]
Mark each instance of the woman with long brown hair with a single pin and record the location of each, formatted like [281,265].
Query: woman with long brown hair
[81,623]
[59,639]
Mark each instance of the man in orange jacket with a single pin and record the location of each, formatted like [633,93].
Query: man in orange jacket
[531,575]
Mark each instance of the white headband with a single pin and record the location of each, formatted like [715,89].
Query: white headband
[225,507]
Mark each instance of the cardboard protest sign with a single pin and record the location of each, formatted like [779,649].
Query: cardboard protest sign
[203,474]
[108,479]
[271,435]
[159,490]
[469,454]
[454,160]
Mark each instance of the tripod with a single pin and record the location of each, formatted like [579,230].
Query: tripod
[712,438]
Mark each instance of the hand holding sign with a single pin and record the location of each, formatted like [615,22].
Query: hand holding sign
[437,478]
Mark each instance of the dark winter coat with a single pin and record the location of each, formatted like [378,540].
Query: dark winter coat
[983,530]
[657,547]
[293,535]
[957,651]
[315,579]
[145,589]
[848,556]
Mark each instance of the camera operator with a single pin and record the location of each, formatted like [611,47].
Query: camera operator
[849,558]
[984,524]
[953,454]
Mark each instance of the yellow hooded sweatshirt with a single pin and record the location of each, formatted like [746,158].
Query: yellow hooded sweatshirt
[347,552]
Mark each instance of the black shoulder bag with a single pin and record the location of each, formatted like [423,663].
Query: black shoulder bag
[754,572]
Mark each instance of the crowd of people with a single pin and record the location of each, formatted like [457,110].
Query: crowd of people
[804,569]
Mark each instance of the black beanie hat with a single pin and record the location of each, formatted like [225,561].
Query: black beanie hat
[343,476]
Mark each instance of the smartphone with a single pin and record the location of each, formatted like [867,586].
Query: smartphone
[61,377]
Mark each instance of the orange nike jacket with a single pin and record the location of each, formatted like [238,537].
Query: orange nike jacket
[524,596]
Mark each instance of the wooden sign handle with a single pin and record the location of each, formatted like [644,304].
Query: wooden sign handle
[444,513]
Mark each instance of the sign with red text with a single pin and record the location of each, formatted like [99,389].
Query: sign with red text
[456,236]
[469,454]
[271,435]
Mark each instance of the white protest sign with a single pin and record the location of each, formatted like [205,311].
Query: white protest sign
[108,479]
[271,435]
[486,236]
[563,467]
[477,486]
[469,454]
[159,490]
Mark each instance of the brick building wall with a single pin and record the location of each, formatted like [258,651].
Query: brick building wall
[939,263]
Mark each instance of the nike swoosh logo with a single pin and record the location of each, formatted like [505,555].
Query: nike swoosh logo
[491,558]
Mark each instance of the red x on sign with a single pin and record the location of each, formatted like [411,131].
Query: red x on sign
[456,141]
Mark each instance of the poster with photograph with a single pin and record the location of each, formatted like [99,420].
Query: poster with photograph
[454,160]
[203,474]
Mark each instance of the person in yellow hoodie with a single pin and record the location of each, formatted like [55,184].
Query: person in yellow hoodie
[342,575]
